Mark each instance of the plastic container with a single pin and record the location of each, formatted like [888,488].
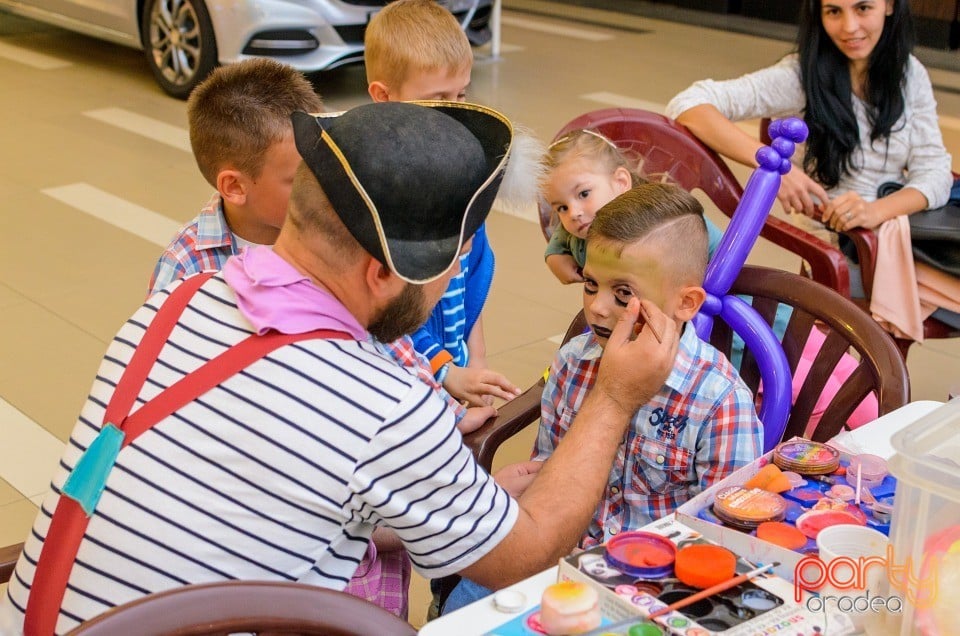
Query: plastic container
[872,470]
[925,530]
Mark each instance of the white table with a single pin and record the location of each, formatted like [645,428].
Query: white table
[482,616]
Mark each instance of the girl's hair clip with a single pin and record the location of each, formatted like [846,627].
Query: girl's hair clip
[588,132]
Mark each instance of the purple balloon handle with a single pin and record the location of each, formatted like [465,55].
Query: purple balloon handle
[740,237]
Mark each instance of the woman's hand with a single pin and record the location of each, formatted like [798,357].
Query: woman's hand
[797,193]
[849,210]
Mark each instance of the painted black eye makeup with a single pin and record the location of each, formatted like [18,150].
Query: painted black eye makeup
[622,295]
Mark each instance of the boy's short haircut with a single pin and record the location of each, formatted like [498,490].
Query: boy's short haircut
[663,214]
[242,109]
[411,36]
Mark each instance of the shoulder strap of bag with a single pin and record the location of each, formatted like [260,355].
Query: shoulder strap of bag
[120,427]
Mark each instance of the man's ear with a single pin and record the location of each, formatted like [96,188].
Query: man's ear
[379,92]
[232,186]
[382,284]
[691,299]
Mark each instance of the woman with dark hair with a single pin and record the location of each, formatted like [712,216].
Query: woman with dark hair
[868,103]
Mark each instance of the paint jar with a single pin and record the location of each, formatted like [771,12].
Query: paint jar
[854,564]
[645,555]
[746,509]
[806,457]
[870,468]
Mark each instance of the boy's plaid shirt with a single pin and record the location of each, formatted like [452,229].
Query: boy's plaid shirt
[204,244]
[700,428]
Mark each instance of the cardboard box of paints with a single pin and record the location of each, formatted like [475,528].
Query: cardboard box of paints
[750,547]
[765,605]
[743,544]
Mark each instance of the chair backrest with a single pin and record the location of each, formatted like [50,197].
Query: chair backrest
[881,369]
[8,560]
[247,606]
[663,147]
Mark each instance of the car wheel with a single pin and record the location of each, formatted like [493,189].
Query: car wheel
[179,42]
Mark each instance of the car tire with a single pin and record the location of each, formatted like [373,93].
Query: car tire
[179,42]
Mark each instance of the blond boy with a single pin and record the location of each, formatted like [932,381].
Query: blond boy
[416,50]
[242,140]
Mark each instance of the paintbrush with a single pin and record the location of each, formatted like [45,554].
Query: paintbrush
[716,589]
[646,319]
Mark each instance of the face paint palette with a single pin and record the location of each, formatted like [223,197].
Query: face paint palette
[806,457]
[763,603]
[746,509]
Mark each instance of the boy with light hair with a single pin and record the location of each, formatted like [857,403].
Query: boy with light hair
[415,50]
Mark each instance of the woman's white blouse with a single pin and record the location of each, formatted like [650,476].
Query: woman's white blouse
[915,155]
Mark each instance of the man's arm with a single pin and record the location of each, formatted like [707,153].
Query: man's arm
[558,505]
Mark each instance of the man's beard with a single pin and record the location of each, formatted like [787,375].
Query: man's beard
[402,316]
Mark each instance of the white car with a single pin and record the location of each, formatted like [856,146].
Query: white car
[185,39]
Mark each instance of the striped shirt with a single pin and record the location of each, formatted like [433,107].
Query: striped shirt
[700,428]
[202,245]
[279,473]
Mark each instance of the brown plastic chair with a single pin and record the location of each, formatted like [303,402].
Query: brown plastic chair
[247,606]
[8,560]
[848,329]
[865,242]
[666,147]
[237,606]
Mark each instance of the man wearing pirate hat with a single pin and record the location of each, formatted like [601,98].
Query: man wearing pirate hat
[242,426]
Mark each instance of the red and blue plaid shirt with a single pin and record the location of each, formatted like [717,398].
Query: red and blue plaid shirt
[402,351]
[700,428]
[204,244]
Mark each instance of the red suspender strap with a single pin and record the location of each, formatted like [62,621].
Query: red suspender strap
[69,522]
[148,350]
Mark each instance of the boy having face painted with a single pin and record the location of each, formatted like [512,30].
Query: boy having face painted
[651,243]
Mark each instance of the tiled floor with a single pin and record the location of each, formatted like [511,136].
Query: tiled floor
[95,175]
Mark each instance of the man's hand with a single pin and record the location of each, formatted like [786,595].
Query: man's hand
[633,370]
[475,418]
[478,387]
[516,477]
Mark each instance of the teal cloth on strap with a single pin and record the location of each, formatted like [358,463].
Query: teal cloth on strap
[89,477]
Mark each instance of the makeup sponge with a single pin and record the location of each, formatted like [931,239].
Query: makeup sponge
[705,565]
[771,479]
[569,607]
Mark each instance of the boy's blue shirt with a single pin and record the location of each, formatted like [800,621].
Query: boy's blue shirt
[454,317]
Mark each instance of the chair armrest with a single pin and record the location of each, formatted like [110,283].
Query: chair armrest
[827,263]
[8,560]
[866,243]
[512,418]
